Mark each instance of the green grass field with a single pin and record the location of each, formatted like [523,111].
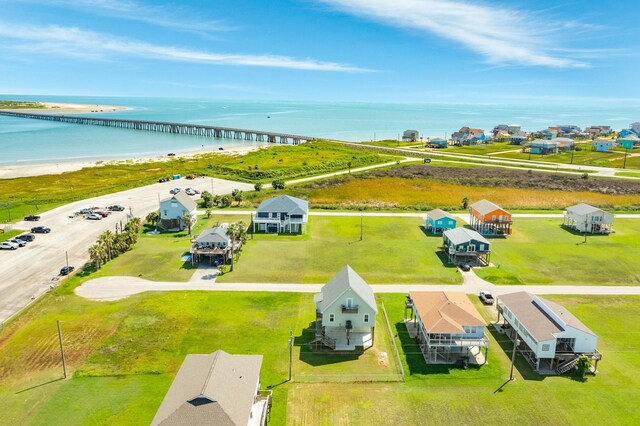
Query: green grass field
[4,236]
[443,395]
[584,157]
[392,250]
[22,196]
[481,149]
[540,251]
[122,357]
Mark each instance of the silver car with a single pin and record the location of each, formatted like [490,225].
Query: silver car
[8,245]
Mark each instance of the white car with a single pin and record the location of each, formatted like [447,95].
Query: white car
[20,243]
[94,217]
[8,245]
[189,191]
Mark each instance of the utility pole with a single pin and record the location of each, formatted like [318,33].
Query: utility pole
[513,356]
[66,255]
[624,165]
[290,352]
[64,366]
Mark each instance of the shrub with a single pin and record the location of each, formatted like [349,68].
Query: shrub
[278,184]
[258,186]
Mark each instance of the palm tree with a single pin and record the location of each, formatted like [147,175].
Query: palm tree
[97,253]
[188,220]
[232,232]
[135,225]
[107,238]
[152,218]
[241,235]
[465,202]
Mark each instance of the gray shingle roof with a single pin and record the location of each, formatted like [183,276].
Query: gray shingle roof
[344,280]
[284,204]
[181,197]
[463,235]
[214,235]
[439,214]
[219,387]
[529,309]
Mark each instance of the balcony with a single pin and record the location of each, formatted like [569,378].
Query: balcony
[349,309]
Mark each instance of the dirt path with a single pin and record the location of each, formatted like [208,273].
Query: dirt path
[29,271]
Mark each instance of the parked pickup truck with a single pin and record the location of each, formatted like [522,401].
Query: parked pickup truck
[486,298]
[32,218]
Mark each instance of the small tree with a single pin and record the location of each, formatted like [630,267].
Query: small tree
[225,200]
[188,220]
[465,202]
[583,365]
[258,186]
[237,195]
[152,218]
[207,199]
[216,200]
[349,166]
[278,184]
[208,213]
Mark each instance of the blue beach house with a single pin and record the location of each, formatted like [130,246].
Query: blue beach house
[281,214]
[542,146]
[437,221]
[603,145]
[174,209]
[629,141]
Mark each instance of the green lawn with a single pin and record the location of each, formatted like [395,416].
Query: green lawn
[4,236]
[395,144]
[122,357]
[29,195]
[481,149]
[540,251]
[443,395]
[585,157]
[393,250]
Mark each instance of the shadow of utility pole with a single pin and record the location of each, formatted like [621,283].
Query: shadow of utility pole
[41,384]
[501,386]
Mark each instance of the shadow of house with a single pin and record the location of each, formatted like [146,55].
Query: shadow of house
[315,355]
[521,364]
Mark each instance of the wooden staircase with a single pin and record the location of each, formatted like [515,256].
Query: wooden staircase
[566,365]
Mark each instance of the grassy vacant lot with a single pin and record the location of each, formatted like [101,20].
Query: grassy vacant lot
[395,144]
[442,395]
[540,251]
[584,157]
[423,187]
[41,193]
[481,149]
[393,250]
[4,236]
[122,357]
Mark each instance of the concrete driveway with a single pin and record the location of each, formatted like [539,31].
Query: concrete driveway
[29,271]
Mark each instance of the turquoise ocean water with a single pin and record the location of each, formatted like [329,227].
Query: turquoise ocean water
[25,141]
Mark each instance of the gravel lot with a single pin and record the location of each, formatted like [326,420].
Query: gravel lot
[29,271]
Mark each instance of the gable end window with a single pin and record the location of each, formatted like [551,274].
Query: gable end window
[545,347]
[332,317]
[366,318]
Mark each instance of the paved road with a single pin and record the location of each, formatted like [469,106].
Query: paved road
[27,272]
[114,288]
[609,172]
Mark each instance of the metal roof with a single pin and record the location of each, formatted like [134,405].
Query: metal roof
[484,206]
[218,387]
[346,279]
[542,318]
[284,204]
[583,209]
[463,235]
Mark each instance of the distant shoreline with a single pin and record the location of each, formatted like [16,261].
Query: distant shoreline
[49,168]
[66,108]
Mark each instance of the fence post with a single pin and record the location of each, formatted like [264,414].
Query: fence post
[393,341]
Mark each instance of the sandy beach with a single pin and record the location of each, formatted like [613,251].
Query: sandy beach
[26,170]
[62,108]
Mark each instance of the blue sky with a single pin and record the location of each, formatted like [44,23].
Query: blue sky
[535,51]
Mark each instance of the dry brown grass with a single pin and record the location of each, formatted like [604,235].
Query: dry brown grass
[413,192]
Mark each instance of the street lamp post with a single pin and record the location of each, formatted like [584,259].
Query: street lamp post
[290,352]
[516,343]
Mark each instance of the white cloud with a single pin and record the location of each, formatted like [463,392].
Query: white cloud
[174,17]
[501,34]
[75,42]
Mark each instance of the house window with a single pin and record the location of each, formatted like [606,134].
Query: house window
[366,318]
[332,317]
[545,347]
[165,213]
[493,217]
[174,205]
[472,247]
[349,303]
[481,247]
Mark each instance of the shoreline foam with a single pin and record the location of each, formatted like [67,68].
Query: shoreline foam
[66,108]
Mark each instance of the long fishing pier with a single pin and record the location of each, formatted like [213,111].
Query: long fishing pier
[168,127]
